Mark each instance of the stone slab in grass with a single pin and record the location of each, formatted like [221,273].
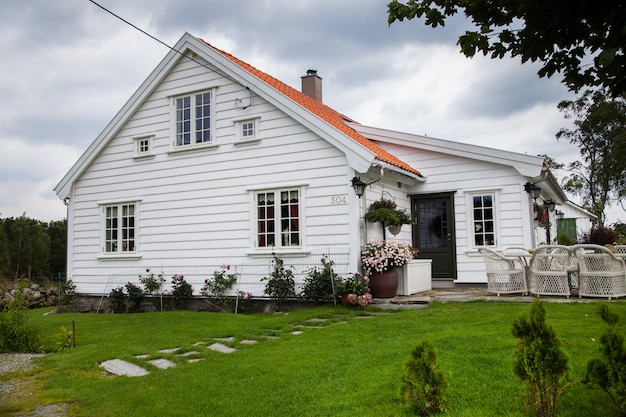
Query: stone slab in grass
[248,342]
[120,367]
[218,347]
[191,352]
[224,339]
[297,332]
[317,320]
[162,363]
[172,350]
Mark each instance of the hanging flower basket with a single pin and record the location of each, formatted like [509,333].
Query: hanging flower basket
[386,211]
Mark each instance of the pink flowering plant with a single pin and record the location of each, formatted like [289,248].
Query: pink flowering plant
[356,289]
[152,282]
[215,288]
[382,255]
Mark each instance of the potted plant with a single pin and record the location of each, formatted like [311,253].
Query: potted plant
[386,211]
[354,290]
[379,259]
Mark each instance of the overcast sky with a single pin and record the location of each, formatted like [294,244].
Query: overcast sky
[67,67]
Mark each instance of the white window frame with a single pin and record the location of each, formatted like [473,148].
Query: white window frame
[473,222]
[282,239]
[119,240]
[178,142]
[143,146]
[240,124]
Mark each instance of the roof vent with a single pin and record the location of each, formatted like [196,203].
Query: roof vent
[312,85]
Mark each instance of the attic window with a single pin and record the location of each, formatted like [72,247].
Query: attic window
[247,129]
[192,119]
[143,146]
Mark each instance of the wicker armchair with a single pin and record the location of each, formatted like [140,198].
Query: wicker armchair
[505,275]
[620,250]
[601,273]
[548,270]
[516,251]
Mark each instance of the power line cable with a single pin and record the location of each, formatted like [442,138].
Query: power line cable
[151,36]
[135,27]
[167,46]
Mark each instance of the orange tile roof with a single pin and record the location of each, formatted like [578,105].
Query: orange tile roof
[329,115]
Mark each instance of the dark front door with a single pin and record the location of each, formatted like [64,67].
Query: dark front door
[433,232]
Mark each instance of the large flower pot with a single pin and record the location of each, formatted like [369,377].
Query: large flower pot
[385,284]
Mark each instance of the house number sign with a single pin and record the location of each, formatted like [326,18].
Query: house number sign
[338,199]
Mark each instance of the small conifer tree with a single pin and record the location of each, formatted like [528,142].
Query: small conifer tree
[423,384]
[540,362]
[609,372]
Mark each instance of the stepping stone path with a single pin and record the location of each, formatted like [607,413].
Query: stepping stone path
[121,367]
[162,363]
[218,347]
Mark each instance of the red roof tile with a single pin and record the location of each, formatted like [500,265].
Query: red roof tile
[329,115]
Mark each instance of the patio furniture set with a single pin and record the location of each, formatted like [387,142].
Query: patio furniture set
[588,270]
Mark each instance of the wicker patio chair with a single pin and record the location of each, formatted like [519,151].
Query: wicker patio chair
[517,251]
[601,273]
[548,270]
[505,275]
[620,250]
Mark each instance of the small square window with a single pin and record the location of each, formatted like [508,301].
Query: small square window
[247,130]
[143,146]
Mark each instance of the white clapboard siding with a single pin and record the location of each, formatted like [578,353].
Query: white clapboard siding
[467,175]
[194,208]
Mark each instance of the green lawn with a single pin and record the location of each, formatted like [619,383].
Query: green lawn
[350,366]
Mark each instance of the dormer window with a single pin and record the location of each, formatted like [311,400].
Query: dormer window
[192,119]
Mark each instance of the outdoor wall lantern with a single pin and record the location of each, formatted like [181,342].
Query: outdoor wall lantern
[532,189]
[560,214]
[550,205]
[359,186]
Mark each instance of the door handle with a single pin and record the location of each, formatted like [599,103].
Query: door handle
[449,236]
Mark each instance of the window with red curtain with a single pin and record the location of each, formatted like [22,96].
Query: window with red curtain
[278,218]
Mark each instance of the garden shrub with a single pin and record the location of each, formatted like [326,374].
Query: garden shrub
[67,296]
[540,362]
[64,339]
[280,284]
[602,236]
[320,284]
[564,240]
[117,300]
[214,289]
[151,282]
[181,290]
[17,335]
[423,384]
[135,297]
[609,372]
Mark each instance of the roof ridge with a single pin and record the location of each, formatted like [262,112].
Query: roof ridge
[321,110]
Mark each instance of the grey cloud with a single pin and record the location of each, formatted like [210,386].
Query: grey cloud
[504,89]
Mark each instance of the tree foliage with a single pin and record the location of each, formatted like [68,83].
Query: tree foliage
[29,245]
[582,39]
[540,361]
[599,177]
[608,373]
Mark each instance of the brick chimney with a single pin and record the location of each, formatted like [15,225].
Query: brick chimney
[312,85]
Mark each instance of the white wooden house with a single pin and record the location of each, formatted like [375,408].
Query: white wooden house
[213,162]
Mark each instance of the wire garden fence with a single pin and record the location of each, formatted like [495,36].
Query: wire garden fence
[249,274]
